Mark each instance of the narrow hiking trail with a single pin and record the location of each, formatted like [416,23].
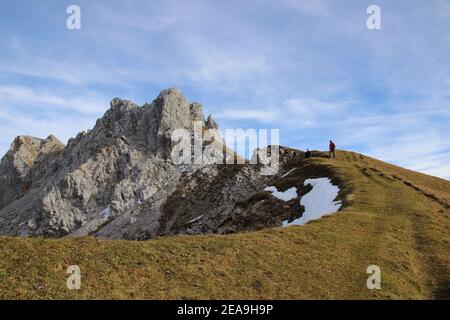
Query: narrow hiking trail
[416,208]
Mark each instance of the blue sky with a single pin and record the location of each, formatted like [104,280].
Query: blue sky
[310,68]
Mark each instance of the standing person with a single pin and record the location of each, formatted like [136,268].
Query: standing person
[332,149]
[308,154]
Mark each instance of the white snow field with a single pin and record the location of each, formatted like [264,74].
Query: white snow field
[320,201]
[286,196]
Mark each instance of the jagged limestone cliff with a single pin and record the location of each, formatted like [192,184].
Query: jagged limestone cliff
[118,180]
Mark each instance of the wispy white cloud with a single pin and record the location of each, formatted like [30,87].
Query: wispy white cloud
[37,112]
[314,111]
[29,97]
[296,112]
[266,116]
[62,126]
[309,7]
[412,152]
[409,140]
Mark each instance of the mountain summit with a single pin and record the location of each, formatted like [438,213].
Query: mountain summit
[118,180]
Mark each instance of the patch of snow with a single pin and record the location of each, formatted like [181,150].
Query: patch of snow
[23,234]
[106,213]
[285,175]
[320,201]
[185,167]
[193,220]
[286,195]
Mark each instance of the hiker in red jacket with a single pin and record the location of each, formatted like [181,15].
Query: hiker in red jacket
[332,149]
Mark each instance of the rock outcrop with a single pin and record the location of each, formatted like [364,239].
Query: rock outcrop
[118,180]
[24,163]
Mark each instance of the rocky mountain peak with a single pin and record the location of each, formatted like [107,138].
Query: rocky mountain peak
[174,111]
[16,166]
[120,106]
[211,123]
[174,108]
[25,150]
[118,180]
[150,126]
[173,94]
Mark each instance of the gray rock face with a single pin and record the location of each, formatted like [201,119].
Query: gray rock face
[117,180]
[24,163]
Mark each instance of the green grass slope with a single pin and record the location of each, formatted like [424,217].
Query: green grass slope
[392,217]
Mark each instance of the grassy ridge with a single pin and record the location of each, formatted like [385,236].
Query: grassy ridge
[394,218]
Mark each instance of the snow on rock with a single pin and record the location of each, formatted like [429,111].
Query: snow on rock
[320,201]
[106,213]
[285,175]
[193,220]
[286,196]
